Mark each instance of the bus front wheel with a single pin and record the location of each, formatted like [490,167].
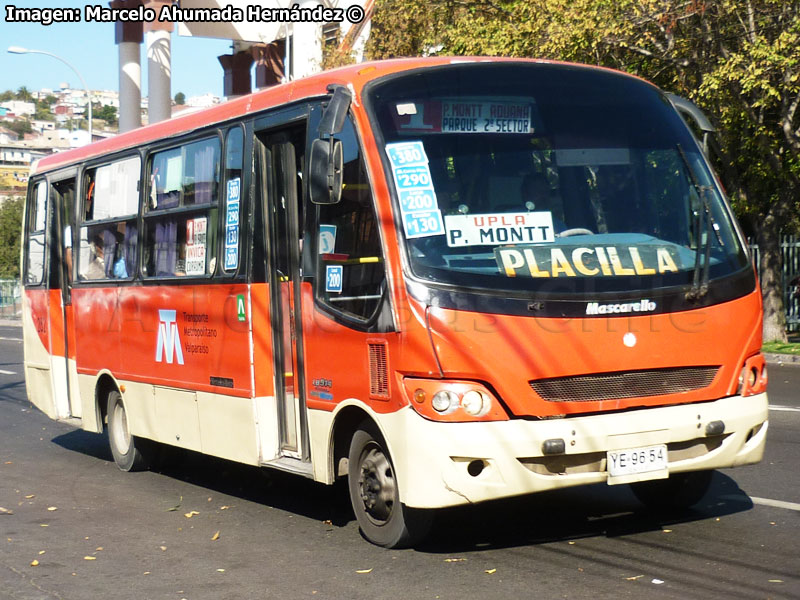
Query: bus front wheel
[375,497]
[130,453]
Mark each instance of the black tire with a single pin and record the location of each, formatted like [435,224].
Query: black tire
[680,490]
[130,452]
[375,497]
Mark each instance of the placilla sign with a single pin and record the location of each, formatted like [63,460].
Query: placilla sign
[499,228]
[586,261]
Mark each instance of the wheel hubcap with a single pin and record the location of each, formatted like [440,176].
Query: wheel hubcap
[376,484]
[119,430]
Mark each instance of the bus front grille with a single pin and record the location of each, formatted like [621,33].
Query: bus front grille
[624,384]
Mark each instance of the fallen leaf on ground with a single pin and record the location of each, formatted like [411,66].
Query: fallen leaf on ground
[454,559]
[634,578]
[215,537]
[363,571]
[52,508]
[667,530]
[224,507]
[30,496]
[177,506]
[190,514]
[657,581]
[490,571]
[5,511]
[42,552]
[220,570]
[163,548]
[89,558]
[776,580]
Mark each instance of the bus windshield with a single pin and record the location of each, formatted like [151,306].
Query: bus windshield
[547,177]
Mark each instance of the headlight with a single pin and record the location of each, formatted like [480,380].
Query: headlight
[444,402]
[474,403]
[453,400]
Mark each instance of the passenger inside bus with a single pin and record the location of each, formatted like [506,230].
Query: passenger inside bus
[96,266]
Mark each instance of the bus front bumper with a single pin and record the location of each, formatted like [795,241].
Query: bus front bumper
[448,464]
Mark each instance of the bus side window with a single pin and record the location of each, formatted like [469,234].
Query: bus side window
[181,219]
[350,271]
[34,264]
[108,233]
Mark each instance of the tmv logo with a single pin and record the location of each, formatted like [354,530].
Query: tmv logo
[169,340]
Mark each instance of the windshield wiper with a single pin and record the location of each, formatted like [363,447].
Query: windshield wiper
[704,225]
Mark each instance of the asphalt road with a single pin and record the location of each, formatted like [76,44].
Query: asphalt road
[202,528]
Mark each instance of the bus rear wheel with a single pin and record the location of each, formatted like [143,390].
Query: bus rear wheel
[375,496]
[680,490]
[130,453]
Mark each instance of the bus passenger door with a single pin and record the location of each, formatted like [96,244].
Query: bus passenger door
[59,283]
[281,205]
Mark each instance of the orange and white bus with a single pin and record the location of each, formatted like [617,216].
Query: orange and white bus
[448,281]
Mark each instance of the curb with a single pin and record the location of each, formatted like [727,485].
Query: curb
[782,359]
[10,322]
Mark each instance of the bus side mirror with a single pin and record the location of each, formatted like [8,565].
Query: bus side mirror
[325,184]
[687,108]
[325,164]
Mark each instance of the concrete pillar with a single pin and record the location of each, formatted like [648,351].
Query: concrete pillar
[159,64]
[269,63]
[306,51]
[128,36]
[130,86]
[236,69]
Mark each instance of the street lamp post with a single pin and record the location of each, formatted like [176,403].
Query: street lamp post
[19,50]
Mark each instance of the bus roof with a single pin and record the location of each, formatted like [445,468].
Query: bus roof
[316,85]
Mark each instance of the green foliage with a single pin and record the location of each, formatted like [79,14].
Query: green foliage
[180,98]
[20,126]
[24,94]
[108,114]
[10,234]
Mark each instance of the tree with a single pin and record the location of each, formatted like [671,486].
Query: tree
[6,96]
[108,113]
[180,98]
[20,127]
[738,59]
[10,234]
[24,94]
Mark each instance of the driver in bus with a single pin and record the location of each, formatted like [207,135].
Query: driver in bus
[537,195]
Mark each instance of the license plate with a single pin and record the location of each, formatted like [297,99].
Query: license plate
[627,465]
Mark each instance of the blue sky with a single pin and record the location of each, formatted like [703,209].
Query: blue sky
[90,48]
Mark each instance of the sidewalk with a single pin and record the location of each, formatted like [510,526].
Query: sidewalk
[10,322]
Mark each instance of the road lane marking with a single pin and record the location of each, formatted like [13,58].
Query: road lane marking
[776,503]
[784,408]
[4,372]
[8,339]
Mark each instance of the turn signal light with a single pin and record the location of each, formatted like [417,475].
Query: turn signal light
[453,400]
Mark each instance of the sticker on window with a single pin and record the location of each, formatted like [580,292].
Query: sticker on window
[499,228]
[334,274]
[327,239]
[196,246]
[419,207]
